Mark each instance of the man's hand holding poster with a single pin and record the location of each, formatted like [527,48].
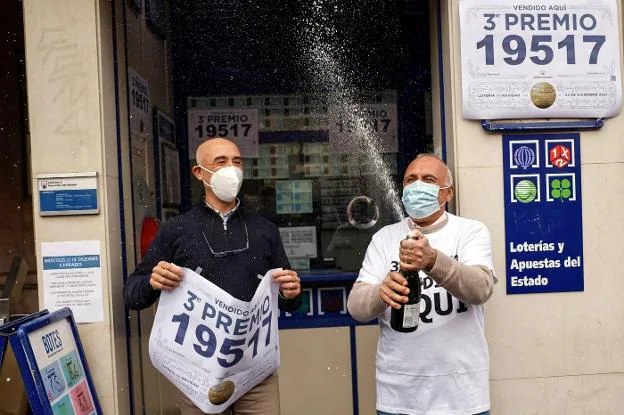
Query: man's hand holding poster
[212,346]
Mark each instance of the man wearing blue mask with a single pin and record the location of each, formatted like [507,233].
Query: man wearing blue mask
[441,368]
[226,245]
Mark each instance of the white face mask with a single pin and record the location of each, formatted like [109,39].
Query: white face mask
[225,182]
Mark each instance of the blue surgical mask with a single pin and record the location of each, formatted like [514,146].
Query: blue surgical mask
[421,199]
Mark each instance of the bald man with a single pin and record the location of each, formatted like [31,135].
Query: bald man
[227,246]
[442,367]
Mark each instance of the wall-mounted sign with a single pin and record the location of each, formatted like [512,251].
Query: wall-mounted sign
[543,213]
[67,194]
[540,59]
[239,125]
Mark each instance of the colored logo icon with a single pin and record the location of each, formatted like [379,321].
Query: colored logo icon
[543,95]
[525,191]
[524,157]
[561,189]
[560,156]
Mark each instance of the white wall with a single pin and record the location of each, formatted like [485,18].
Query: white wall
[72,104]
[73,129]
[556,352]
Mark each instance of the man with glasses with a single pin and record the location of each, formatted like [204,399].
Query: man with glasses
[442,367]
[227,246]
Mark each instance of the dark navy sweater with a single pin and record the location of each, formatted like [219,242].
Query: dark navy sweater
[187,240]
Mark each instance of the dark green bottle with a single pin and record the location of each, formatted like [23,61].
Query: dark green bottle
[406,318]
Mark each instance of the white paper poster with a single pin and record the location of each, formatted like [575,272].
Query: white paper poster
[239,125]
[540,59]
[72,277]
[212,346]
[349,130]
[170,172]
[140,120]
[299,241]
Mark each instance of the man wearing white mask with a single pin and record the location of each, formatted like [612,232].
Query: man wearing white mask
[224,244]
[442,368]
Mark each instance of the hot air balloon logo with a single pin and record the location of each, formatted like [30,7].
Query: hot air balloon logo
[524,157]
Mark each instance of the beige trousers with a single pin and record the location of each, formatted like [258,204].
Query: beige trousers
[263,399]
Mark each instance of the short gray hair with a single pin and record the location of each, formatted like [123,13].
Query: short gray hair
[449,175]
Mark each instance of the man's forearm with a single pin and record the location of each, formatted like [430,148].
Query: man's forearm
[364,303]
[472,284]
[138,293]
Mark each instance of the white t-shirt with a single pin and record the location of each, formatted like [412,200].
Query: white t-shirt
[443,367]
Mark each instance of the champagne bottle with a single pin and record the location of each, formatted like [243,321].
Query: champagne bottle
[406,318]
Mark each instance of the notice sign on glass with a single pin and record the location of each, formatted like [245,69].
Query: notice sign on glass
[543,214]
[238,125]
[348,129]
[540,59]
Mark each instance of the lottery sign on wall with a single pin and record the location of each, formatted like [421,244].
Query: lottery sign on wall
[212,346]
[543,214]
[239,125]
[540,59]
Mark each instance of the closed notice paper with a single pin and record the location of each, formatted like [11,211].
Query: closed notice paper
[72,277]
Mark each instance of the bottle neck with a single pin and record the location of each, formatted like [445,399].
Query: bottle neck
[408,273]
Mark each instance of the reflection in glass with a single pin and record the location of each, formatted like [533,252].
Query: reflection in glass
[338,95]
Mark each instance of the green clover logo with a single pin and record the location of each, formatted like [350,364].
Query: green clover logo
[560,189]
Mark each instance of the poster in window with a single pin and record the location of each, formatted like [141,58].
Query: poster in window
[170,174]
[168,157]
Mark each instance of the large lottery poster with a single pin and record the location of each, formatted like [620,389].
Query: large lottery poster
[368,127]
[239,125]
[212,346]
[540,58]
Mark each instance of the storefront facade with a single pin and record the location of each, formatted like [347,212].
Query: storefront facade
[123,91]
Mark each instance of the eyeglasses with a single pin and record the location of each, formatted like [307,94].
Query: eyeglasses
[221,254]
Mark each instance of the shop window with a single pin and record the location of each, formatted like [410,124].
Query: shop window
[337,99]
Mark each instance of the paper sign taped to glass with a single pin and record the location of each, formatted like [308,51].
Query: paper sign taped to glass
[212,346]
